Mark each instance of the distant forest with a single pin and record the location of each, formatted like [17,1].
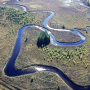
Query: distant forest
[16,16]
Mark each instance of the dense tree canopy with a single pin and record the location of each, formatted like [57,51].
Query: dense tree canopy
[43,39]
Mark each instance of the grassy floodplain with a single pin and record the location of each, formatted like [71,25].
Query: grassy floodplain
[73,61]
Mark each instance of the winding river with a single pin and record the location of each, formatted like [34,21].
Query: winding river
[10,69]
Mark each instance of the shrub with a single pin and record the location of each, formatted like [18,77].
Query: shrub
[58,88]
[63,26]
[26,39]
[32,78]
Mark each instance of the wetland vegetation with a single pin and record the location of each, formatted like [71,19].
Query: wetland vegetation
[73,61]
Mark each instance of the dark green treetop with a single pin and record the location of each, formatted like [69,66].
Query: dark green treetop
[43,39]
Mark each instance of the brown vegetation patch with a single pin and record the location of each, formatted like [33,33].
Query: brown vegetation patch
[68,37]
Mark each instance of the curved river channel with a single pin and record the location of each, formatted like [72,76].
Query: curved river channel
[10,69]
